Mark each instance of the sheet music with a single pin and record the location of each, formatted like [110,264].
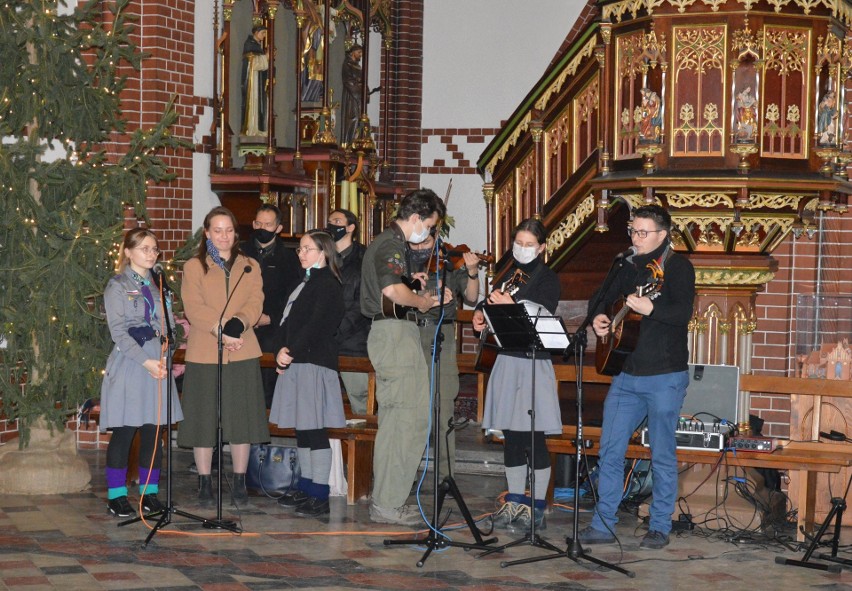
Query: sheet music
[549,327]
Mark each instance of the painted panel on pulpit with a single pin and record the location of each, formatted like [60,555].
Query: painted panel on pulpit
[699,107]
[586,109]
[628,85]
[786,89]
[525,179]
[558,152]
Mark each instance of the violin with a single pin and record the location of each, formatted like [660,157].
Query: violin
[453,254]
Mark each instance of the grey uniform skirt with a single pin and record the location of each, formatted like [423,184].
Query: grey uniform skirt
[508,400]
[307,397]
[243,407]
[129,393]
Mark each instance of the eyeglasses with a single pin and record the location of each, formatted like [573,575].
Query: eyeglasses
[641,233]
[302,249]
[148,249]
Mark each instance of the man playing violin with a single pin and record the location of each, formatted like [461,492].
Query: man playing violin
[463,282]
[402,379]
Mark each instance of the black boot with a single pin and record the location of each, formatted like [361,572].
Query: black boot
[205,490]
[239,494]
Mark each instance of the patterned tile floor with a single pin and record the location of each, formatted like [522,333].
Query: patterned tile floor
[70,542]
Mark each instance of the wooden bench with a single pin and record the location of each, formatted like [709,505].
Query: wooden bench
[806,459]
[357,440]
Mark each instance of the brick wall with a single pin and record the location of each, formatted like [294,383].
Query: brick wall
[164,31]
[453,151]
[774,341]
[405,91]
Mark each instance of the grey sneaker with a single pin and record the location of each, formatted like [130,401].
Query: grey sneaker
[589,535]
[521,523]
[405,515]
[654,540]
[505,515]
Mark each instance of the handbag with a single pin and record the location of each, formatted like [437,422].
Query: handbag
[272,469]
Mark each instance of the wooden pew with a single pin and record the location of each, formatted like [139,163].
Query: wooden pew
[806,458]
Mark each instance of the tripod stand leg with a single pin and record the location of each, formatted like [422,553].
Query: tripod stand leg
[836,514]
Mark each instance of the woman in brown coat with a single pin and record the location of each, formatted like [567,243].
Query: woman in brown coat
[217,273]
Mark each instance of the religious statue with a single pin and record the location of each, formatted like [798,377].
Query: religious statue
[651,121]
[255,77]
[746,125]
[827,119]
[352,91]
[313,52]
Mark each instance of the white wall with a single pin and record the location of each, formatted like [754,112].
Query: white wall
[480,58]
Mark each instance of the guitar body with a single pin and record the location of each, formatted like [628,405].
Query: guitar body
[392,310]
[486,355]
[613,349]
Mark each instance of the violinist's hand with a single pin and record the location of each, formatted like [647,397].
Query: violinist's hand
[498,297]
[478,321]
[600,324]
[471,261]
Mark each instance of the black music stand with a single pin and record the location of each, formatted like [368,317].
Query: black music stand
[523,327]
[577,347]
[165,515]
[436,539]
[838,506]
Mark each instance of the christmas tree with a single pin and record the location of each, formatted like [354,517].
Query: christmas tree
[64,196]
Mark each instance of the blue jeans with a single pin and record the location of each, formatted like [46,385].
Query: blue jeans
[629,400]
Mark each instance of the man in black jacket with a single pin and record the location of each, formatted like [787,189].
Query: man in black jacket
[355,327]
[281,273]
[653,379]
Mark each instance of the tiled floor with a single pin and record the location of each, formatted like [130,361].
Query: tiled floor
[69,542]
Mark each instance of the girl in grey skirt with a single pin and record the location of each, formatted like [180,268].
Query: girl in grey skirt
[307,393]
[134,390]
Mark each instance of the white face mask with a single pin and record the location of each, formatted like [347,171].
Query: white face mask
[422,236]
[524,254]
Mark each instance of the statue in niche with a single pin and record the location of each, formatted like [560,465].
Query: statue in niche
[827,119]
[746,127]
[255,77]
[313,53]
[651,121]
[352,84]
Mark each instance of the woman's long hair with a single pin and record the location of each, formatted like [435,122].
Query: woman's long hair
[132,239]
[202,245]
[323,241]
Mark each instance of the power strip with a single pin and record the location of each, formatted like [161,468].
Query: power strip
[762,444]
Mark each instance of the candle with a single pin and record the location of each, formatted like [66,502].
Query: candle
[344,194]
[353,197]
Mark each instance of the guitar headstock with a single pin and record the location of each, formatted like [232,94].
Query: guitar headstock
[514,283]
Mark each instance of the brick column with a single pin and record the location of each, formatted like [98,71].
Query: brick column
[405,93]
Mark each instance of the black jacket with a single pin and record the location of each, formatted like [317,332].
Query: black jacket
[355,327]
[281,272]
[662,346]
[312,323]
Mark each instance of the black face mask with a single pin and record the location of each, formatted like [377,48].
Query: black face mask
[336,232]
[263,236]
[420,257]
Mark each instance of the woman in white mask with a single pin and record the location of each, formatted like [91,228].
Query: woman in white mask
[508,399]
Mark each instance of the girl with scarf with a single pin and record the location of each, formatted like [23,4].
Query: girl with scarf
[307,394]
[134,390]
[221,283]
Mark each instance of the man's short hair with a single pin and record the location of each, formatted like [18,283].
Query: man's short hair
[423,202]
[656,213]
[273,209]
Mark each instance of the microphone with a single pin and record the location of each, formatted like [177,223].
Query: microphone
[159,274]
[627,254]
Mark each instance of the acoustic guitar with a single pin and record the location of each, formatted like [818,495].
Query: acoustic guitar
[398,311]
[486,355]
[623,335]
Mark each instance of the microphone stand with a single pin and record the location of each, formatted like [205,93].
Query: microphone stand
[436,539]
[219,523]
[574,550]
[165,515]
